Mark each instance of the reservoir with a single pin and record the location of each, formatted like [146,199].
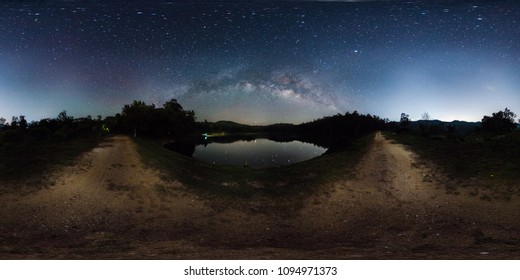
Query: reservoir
[260,152]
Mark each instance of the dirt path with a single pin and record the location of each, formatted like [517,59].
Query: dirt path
[104,203]
[111,206]
[398,207]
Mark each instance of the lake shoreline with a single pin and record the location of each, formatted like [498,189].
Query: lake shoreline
[258,150]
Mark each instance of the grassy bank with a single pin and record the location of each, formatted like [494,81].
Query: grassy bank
[31,162]
[491,162]
[237,181]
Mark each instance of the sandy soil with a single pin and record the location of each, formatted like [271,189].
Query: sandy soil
[109,205]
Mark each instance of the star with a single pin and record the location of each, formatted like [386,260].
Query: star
[262,62]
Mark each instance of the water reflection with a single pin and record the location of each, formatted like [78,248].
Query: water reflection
[253,152]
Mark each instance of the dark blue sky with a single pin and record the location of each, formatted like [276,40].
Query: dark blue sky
[261,62]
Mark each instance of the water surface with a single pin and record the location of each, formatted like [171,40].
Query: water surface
[259,152]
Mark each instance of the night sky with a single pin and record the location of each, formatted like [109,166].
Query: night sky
[262,62]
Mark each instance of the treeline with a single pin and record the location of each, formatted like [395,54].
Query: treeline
[499,123]
[172,121]
[29,150]
[340,130]
[141,119]
[138,118]
[228,127]
[335,131]
[61,128]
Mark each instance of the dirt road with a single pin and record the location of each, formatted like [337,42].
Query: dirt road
[109,205]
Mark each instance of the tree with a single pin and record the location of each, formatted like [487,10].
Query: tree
[404,122]
[64,117]
[405,118]
[22,122]
[339,130]
[499,122]
[173,105]
[2,121]
[171,120]
[14,122]
[136,116]
[178,121]
[425,116]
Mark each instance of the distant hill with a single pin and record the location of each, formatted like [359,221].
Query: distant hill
[234,127]
[227,126]
[461,127]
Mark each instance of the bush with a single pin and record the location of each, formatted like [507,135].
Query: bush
[500,122]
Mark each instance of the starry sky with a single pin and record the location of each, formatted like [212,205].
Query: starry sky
[261,62]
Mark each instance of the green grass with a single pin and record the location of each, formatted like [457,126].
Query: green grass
[32,162]
[489,162]
[237,181]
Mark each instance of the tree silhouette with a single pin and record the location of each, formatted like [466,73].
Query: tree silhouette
[499,122]
[339,130]
[22,122]
[178,121]
[171,120]
[404,122]
[64,117]
[136,115]
[14,122]
[405,118]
